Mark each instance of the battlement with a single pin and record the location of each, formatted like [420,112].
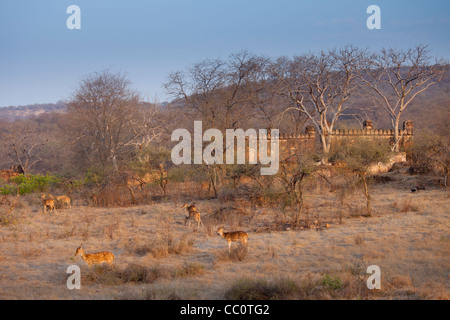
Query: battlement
[367,131]
[290,142]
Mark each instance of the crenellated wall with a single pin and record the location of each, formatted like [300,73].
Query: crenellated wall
[289,142]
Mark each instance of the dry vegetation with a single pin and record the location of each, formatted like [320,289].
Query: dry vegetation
[158,257]
[312,232]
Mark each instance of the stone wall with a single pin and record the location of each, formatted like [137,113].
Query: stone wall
[289,142]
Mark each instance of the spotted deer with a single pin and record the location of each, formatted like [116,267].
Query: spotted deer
[48,202]
[95,258]
[190,208]
[193,214]
[64,200]
[233,236]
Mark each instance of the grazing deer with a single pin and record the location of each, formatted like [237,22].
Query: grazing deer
[48,202]
[95,258]
[64,200]
[190,208]
[234,236]
[193,214]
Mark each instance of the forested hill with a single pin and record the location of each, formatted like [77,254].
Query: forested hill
[429,110]
[12,113]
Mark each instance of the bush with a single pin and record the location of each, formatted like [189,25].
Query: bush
[137,274]
[7,219]
[190,269]
[133,273]
[93,178]
[29,183]
[165,245]
[333,283]
[358,156]
[8,189]
[431,154]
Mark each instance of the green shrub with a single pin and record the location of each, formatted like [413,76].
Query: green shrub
[8,189]
[333,283]
[29,183]
[92,178]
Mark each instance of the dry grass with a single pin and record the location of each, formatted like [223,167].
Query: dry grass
[158,257]
[238,253]
[164,245]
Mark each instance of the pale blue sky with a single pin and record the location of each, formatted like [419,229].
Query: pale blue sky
[41,61]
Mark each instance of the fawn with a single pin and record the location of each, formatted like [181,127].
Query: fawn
[95,258]
[233,236]
[48,202]
[193,215]
[64,200]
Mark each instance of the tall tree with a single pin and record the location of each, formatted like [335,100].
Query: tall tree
[319,86]
[220,93]
[107,119]
[396,77]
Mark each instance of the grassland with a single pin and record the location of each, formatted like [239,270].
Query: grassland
[158,257]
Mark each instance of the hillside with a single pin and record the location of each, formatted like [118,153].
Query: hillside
[429,111]
[13,113]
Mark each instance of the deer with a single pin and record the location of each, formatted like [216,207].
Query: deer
[95,258]
[48,202]
[193,214]
[64,200]
[190,208]
[94,199]
[233,236]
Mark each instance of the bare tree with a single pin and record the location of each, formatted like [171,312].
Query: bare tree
[220,93]
[21,143]
[223,94]
[147,125]
[319,86]
[196,88]
[108,121]
[396,77]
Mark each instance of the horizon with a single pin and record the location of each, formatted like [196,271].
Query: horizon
[42,61]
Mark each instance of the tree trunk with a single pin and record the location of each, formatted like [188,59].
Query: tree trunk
[396,134]
[447,173]
[114,163]
[326,146]
[133,198]
[299,208]
[366,194]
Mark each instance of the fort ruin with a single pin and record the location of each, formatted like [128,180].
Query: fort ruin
[289,143]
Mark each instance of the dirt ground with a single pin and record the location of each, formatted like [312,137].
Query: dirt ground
[158,257]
